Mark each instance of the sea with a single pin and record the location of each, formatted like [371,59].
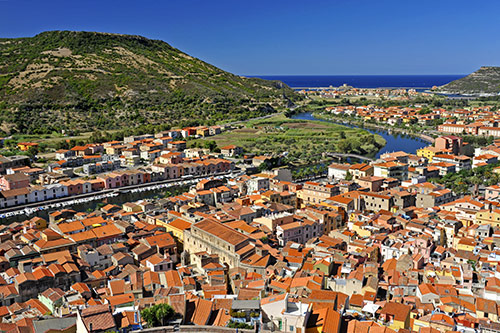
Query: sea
[419,82]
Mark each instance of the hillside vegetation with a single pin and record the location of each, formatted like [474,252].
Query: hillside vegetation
[484,81]
[66,80]
[303,140]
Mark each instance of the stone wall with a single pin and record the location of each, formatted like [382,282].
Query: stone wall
[191,328]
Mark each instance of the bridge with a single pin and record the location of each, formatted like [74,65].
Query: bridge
[340,156]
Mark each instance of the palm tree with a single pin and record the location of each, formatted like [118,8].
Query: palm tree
[476,181]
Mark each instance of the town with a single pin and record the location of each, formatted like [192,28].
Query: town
[404,243]
[349,91]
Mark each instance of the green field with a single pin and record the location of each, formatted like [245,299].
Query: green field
[304,140]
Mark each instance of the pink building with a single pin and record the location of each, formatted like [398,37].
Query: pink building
[492,192]
[14,181]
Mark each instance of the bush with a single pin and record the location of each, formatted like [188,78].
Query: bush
[238,314]
[233,324]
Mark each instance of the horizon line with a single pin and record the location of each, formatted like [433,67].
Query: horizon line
[250,75]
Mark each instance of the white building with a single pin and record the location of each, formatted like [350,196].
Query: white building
[338,171]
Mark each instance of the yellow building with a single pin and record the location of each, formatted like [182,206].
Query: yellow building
[130,207]
[324,266]
[39,223]
[396,315]
[362,232]
[486,217]
[177,227]
[465,244]
[324,319]
[25,146]
[428,152]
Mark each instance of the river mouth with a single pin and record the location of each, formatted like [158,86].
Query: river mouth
[394,141]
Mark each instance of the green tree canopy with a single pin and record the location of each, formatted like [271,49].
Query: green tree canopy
[158,315]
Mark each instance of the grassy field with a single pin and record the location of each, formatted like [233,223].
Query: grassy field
[305,141]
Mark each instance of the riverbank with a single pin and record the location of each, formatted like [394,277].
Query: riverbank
[90,200]
[301,141]
[363,124]
[394,141]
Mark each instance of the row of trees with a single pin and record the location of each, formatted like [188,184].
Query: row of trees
[310,171]
[468,181]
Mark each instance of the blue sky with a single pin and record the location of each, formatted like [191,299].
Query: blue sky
[288,37]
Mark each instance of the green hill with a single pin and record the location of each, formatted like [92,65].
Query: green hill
[66,80]
[484,81]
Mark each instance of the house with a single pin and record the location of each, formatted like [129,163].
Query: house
[338,171]
[375,202]
[81,150]
[157,263]
[246,311]
[177,145]
[361,170]
[486,308]
[461,162]
[258,160]
[14,181]
[298,232]
[177,228]
[396,315]
[314,193]
[372,183]
[450,142]
[93,319]
[429,152]
[427,293]
[25,146]
[231,151]
[280,311]
[67,325]
[13,162]
[391,170]
[257,183]
[492,192]
[434,198]
[53,299]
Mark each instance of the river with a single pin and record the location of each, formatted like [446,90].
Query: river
[395,141]
[93,205]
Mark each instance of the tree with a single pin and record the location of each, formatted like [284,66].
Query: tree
[32,151]
[370,139]
[210,145]
[158,315]
[348,176]
[62,144]
[476,181]
[344,146]
[442,238]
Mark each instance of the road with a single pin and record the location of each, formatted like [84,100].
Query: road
[339,155]
[4,211]
[174,182]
